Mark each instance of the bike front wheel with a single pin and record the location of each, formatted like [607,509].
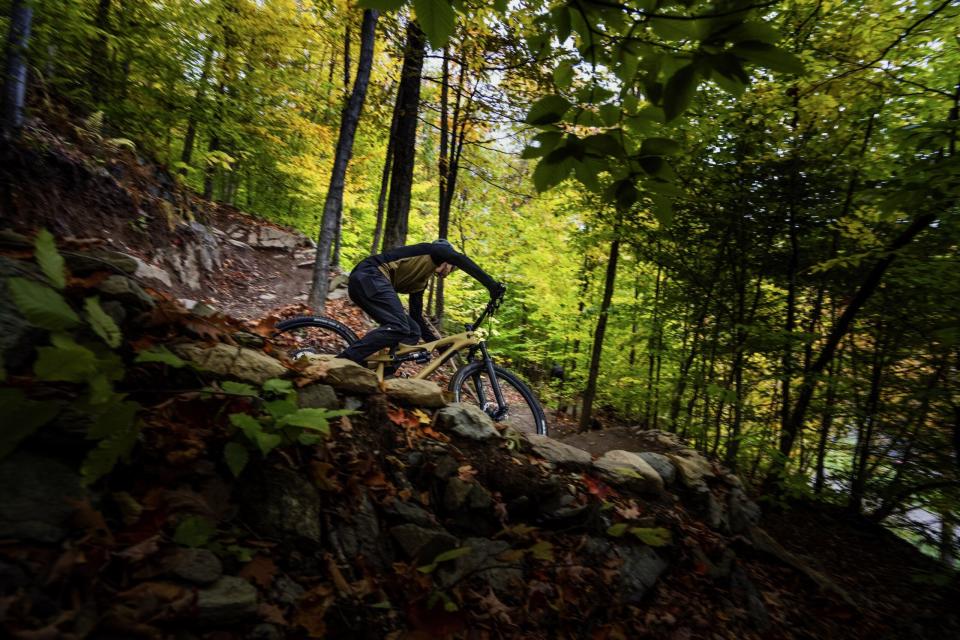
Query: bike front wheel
[472,385]
[305,335]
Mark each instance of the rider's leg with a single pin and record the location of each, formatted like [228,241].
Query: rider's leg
[373,293]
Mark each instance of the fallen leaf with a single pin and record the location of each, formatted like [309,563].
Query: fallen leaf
[261,571]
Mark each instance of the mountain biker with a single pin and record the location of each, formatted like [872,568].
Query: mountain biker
[375,282]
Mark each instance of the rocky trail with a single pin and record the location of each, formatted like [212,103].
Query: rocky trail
[169,473]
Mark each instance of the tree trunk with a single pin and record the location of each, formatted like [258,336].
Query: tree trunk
[188,140]
[348,127]
[590,391]
[98,69]
[651,343]
[15,74]
[839,330]
[404,146]
[862,450]
[443,168]
[384,184]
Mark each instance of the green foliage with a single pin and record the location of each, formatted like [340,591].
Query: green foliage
[75,357]
[195,531]
[49,259]
[446,556]
[41,305]
[162,355]
[236,456]
[22,418]
[102,324]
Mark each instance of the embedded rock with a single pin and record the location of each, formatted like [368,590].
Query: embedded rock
[422,544]
[237,362]
[558,452]
[419,393]
[742,512]
[482,561]
[661,464]
[194,565]
[317,396]
[628,469]
[466,420]
[280,502]
[343,374]
[227,601]
[693,468]
[127,291]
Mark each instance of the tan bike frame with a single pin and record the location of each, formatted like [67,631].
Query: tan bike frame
[452,344]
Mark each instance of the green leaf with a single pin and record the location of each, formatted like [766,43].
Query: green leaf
[769,56]
[549,174]
[66,361]
[117,417]
[680,90]
[162,355]
[101,391]
[662,208]
[436,17]
[278,386]
[249,425]
[314,419]
[267,442]
[49,259]
[756,31]
[659,147]
[618,529]
[101,323]
[195,531]
[655,537]
[278,409]
[542,550]
[610,114]
[42,306]
[560,15]
[676,29]
[21,417]
[563,74]
[109,451]
[452,554]
[381,5]
[547,110]
[238,388]
[236,456]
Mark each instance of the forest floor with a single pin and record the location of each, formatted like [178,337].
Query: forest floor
[119,207]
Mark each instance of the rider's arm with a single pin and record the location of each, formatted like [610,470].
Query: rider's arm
[441,252]
[416,312]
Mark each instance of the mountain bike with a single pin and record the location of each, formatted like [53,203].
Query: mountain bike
[497,391]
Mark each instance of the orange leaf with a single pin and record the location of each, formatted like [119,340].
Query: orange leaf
[260,570]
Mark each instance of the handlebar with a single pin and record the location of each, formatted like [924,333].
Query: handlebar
[489,310]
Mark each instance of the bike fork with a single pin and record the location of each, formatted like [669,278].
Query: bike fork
[494,382]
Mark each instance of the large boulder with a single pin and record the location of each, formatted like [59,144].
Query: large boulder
[199,566]
[422,544]
[557,452]
[343,374]
[662,465]
[236,362]
[693,468]
[628,469]
[419,393]
[483,561]
[39,495]
[467,420]
[126,290]
[280,502]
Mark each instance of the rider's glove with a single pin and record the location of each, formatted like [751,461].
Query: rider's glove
[498,291]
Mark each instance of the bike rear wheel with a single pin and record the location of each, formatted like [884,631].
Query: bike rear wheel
[472,385]
[313,335]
